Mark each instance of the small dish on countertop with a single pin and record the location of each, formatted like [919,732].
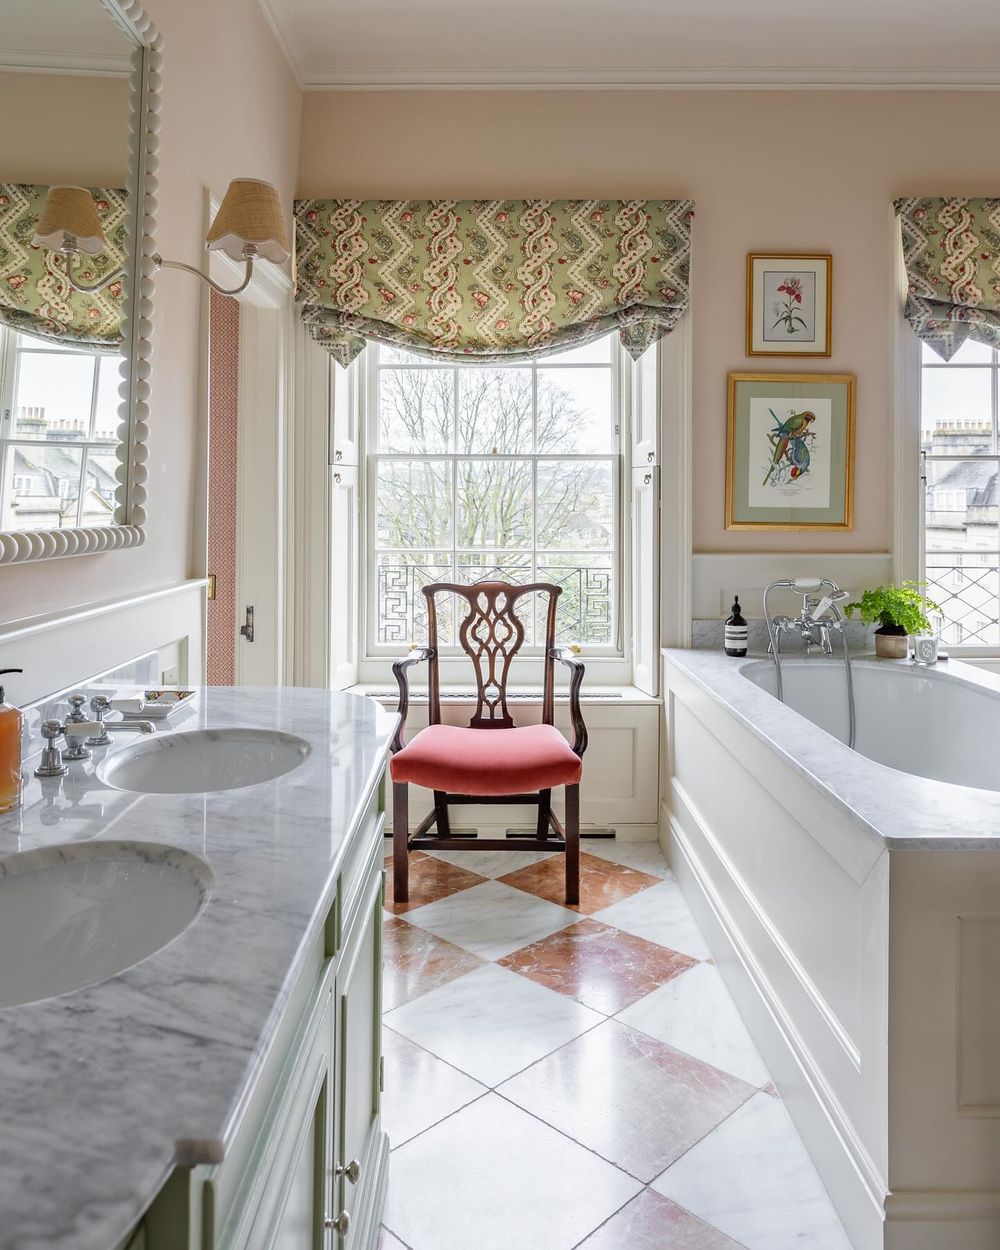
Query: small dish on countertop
[154,704]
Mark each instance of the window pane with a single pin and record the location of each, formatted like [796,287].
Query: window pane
[970,353]
[961,506]
[966,587]
[415,410]
[401,607]
[494,410]
[106,420]
[574,410]
[41,487]
[414,503]
[586,605]
[99,489]
[391,355]
[956,410]
[494,503]
[596,353]
[575,504]
[53,395]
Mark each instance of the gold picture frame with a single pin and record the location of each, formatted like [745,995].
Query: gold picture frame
[789,303]
[790,451]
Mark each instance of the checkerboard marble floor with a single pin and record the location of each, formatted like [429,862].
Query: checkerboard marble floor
[577,1077]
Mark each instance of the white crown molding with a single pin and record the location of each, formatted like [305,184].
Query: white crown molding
[279,19]
[702,78]
[129,529]
[84,64]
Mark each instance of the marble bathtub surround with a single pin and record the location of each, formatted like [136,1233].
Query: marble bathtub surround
[888,808]
[550,1098]
[709,634]
[600,884]
[148,1066]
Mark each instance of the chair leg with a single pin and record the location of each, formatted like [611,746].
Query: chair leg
[400,840]
[544,807]
[441,814]
[572,844]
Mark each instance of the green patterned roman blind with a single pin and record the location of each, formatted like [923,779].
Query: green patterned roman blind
[951,248]
[35,296]
[490,280]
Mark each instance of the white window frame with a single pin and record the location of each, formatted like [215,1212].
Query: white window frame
[607,665]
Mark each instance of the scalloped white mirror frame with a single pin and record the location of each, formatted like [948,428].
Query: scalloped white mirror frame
[21,546]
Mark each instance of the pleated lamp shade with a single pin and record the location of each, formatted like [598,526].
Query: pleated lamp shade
[69,210]
[250,213]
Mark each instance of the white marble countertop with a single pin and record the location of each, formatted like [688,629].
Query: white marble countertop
[899,810]
[102,1089]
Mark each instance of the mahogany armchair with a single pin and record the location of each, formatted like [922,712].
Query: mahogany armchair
[491,760]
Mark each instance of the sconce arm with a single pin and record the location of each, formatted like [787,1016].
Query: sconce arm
[179,264]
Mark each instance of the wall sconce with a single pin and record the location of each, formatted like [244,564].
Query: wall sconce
[249,224]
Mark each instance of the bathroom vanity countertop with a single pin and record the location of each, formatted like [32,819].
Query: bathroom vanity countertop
[897,810]
[104,1089]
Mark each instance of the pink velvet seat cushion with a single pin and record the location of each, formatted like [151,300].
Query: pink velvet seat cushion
[487,761]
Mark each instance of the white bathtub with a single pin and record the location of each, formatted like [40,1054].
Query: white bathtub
[920,721]
[851,899]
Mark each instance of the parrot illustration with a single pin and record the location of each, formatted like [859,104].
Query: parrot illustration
[798,454]
[794,427]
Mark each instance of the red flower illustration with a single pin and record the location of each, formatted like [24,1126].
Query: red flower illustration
[792,287]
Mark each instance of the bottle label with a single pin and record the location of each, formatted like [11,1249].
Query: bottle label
[737,637]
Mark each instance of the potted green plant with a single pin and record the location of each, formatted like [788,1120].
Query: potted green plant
[900,611]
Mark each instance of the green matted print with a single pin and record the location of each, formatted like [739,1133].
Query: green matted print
[790,451]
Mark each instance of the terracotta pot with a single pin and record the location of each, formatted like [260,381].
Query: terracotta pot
[891,646]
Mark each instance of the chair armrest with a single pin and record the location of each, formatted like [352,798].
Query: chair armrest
[577,668]
[417,655]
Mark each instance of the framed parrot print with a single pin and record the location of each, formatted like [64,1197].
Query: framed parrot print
[789,300]
[790,451]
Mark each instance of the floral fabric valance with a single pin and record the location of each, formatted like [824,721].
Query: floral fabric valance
[490,279]
[951,248]
[35,295]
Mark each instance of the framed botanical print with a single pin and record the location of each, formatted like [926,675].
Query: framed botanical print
[790,451]
[788,304]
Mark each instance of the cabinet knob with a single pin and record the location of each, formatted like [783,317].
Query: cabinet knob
[339,1225]
[351,1170]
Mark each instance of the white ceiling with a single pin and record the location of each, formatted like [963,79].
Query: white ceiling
[745,43]
[62,36]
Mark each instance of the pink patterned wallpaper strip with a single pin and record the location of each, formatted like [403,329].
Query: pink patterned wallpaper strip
[223,416]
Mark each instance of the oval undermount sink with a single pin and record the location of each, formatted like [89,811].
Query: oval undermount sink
[203,760]
[75,915]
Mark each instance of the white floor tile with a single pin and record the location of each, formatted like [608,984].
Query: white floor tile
[492,863]
[644,856]
[491,1023]
[493,1177]
[659,914]
[492,919]
[695,1013]
[752,1178]
[420,1089]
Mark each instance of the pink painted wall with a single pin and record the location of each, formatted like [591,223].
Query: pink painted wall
[230,107]
[768,171]
[223,467]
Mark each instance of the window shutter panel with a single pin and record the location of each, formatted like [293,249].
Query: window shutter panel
[345,573]
[644,512]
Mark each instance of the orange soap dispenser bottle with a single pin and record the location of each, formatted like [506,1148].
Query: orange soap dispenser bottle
[11,728]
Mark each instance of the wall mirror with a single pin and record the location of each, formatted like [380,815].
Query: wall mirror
[79,90]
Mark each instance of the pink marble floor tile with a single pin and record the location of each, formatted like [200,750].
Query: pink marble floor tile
[650,1222]
[599,966]
[601,882]
[416,962]
[430,879]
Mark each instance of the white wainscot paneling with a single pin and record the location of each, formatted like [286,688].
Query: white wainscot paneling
[620,767]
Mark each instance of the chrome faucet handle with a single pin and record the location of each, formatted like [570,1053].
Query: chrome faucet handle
[77,714]
[100,705]
[77,729]
[51,765]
